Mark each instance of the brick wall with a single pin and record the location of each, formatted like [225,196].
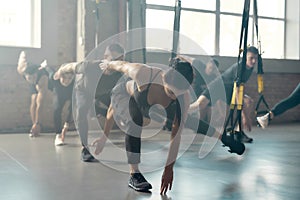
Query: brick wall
[15,101]
[276,87]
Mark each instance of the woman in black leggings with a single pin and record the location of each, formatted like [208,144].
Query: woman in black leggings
[148,86]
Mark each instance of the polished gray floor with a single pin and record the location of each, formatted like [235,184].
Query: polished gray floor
[33,169]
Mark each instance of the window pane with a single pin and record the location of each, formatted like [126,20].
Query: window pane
[20,25]
[160,2]
[230,33]
[199,4]
[272,38]
[202,32]
[159,19]
[277,9]
[233,6]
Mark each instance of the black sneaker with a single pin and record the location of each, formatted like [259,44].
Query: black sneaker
[86,156]
[138,182]
[234,146]
[167,128]
[242,137]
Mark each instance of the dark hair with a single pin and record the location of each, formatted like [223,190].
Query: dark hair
[31,69]
[181,74]
[214,61]
[253,49]
[115,47]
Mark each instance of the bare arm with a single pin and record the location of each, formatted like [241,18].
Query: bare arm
[33,108]
[138,72]
[186,58]
[130,69]
[109,122]
[167,177]
[42,90]
[65,68]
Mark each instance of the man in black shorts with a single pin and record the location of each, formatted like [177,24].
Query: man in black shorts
[38,80]
[62,94]
[91,91]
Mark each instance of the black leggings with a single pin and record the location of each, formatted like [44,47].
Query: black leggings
[192,122]
[134,129]
[133,133]
[59,102]
[291,101]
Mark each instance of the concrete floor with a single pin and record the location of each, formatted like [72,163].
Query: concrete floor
[34,169]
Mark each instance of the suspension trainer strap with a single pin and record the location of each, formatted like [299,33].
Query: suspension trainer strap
[238,88]
[260,72]
[176,28]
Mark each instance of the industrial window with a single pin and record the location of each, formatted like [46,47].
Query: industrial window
[215,25]
[20,23]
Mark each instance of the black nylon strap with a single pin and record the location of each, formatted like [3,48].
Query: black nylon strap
[243,39]
[241,68]
[260,70]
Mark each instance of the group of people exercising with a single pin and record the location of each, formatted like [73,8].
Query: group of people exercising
[141,86]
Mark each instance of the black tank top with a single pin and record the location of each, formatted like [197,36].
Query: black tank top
[40,73]
[141,98]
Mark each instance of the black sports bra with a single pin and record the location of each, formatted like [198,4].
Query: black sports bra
[141,98]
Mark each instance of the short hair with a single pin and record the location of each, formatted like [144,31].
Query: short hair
[115,47]
[252,49]
[214,61]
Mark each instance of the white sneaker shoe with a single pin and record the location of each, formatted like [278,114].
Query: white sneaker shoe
[58,140]
[263,120]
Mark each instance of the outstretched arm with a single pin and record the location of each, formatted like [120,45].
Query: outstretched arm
[167,177]
[186,58]
[109,122]
[65,68]
[42,90]
[138,72]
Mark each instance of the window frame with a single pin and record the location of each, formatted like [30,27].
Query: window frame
[33,38]
[218,14]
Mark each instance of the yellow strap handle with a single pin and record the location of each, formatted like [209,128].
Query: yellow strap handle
[233,97]
[240,97]
[260,83]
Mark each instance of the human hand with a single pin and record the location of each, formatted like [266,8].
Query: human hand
[166,180]
[104,65]
[99,143]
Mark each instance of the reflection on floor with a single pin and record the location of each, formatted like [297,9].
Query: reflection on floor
[33,169]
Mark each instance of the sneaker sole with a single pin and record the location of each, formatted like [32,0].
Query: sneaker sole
[260,123]
[247,141]
[89,160]
[139,189]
